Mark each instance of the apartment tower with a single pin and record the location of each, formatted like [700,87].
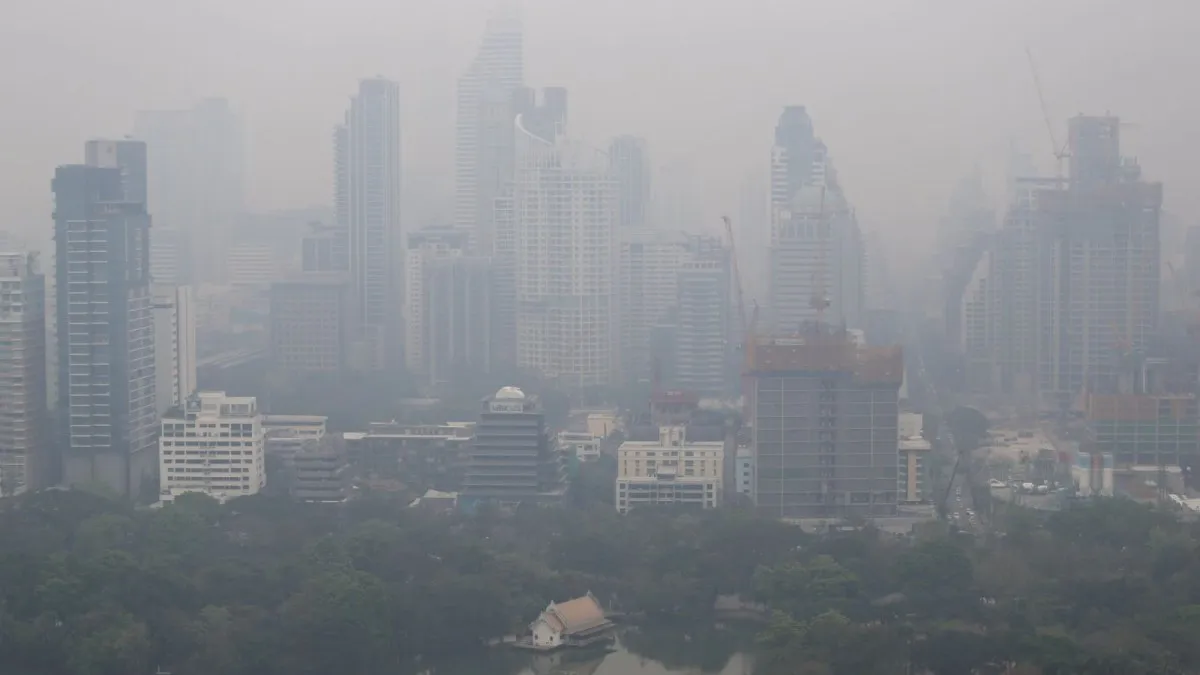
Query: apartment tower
[107,411]
[367,171]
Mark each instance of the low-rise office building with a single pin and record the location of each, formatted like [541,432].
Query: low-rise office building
[582,444]
[212,444]
[669,471]
[320,473]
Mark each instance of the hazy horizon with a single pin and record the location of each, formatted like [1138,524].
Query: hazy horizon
[908,98]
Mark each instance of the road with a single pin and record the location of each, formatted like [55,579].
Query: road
[960,510]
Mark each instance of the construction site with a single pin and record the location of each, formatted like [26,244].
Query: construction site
[824,411]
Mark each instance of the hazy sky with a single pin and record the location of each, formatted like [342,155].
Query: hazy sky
[908,94]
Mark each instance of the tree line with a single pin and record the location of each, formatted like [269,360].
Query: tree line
[90,586]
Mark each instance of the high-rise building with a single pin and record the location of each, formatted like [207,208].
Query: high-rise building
[457,317]
[648,268]
[514,457]
[251,265]
[1017,276]
[107,411]
[504,284]
[424,246]
[816,256]
[127,155]
[212,444]
[312,323]
[792,156]
[484,128]
[1099,267]
[196,190]
[703,342]
[824,415]
[25,459]
[174,345]
[978,316]
[564,206]
[325,249]
[367,168]
[630,164]
[169,259]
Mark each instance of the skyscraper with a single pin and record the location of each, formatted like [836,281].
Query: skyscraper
[648,268]
[702,354]
[484,130]
[106,387]
[1099,253]
[174,345]
[458,317]
[816,249]
[196,173]
[630,164]
[424,246]
[564,206]
[367,168]
[312,323]
[25,460]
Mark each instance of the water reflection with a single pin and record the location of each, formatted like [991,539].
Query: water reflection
[715,649]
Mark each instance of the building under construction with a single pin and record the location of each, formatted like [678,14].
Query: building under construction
[824,412]
[1143,429]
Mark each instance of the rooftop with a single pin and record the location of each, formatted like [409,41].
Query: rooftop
[576,616]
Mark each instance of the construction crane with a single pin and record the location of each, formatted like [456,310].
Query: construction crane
[737,275]
[1061,152]
[747,327]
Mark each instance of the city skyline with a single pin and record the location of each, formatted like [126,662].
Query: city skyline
[287,150]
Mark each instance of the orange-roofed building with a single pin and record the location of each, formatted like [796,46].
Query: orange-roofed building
[572,623]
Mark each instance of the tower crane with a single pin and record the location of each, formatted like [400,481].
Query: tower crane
[747,327]
[1061,152]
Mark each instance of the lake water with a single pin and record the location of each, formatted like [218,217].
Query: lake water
[719,649]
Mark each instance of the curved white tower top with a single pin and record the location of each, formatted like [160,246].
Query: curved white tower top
[510,394]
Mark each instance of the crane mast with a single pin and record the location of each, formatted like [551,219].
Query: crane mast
[746,326]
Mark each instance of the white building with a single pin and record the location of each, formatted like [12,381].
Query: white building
[24,450]
[286,435]
[582,444]
[669,471]
[212,444]
[174,345]
[571,623]
[484,130]
[565,208]
[367,196]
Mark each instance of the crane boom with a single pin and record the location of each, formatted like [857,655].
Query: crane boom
[737,275]
[1060,151]
[747,327]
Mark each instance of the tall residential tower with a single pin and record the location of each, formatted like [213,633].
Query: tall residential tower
[25,459]
[483,158]
[107,414]
[564,209]
[195,160]
[367,171]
